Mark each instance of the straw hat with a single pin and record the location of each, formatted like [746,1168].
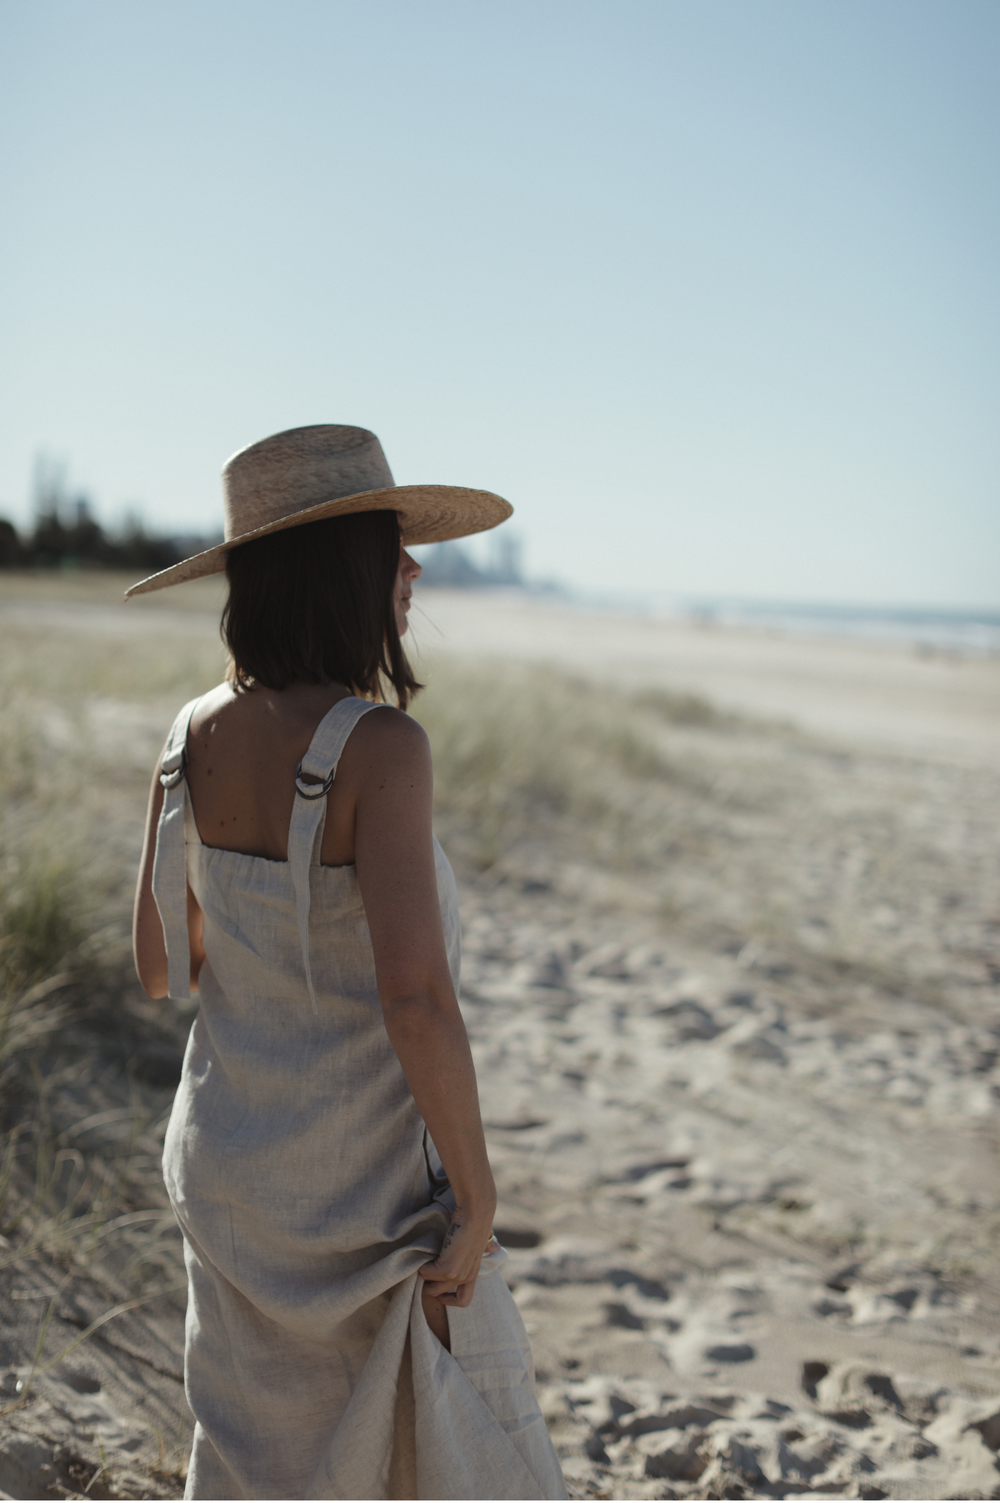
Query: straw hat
[328,470]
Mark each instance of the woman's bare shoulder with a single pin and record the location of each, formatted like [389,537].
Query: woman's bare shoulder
[392,728]
[387,740]
[215,702]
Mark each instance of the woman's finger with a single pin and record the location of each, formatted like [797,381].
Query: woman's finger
[452,1268]
[460,1296]
[442,1288]
[446,1276]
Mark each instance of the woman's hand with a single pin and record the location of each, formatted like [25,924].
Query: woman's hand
[451,1277]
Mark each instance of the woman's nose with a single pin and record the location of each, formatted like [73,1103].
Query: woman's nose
[411,568]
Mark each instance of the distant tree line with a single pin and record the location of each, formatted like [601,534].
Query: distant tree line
[81,542]
[73,538]
[66,534]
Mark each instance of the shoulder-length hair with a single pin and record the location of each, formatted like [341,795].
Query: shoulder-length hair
[313,604]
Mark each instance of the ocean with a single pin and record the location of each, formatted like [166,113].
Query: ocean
[924,629]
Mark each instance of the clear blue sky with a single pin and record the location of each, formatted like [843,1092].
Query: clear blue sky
[709,289]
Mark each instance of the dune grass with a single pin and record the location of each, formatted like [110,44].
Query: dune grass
[81,1105]
[523,755]
[849,870]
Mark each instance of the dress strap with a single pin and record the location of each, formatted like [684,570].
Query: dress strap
[169,862]
[305,833]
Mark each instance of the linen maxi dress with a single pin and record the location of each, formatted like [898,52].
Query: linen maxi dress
[309,1193]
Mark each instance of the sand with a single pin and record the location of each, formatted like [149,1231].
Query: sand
[741,1088]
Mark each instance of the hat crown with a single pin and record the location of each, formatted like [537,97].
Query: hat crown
[302,467]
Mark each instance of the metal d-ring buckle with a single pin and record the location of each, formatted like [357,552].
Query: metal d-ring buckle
[312,790]
[171,779]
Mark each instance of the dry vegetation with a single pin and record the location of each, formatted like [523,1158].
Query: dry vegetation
[87,1064]
[845,867]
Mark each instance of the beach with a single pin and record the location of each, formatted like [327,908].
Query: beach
[905,696]
[731,915]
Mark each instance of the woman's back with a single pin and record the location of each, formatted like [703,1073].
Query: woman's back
[271,1083]
[242,752]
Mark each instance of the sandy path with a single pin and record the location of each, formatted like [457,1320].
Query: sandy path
[750,1221]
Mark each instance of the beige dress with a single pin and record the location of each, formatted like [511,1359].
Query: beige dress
[309,1193]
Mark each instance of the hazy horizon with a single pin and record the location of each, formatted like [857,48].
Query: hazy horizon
[707,291]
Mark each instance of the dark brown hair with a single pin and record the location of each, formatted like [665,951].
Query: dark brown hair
[314,605]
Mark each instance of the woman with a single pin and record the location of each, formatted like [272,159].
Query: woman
[349,1334]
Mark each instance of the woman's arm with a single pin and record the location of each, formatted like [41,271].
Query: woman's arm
[390,767]
[148,945]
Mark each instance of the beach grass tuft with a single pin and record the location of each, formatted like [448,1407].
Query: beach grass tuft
[523,752]
[41,920]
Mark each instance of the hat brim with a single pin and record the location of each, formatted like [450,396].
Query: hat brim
[427,514]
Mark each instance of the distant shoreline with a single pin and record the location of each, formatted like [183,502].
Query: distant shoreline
[922,628]
[940,628]
[926,629]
